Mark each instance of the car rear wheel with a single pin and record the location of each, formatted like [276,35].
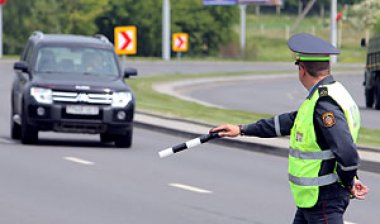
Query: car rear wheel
[124,141]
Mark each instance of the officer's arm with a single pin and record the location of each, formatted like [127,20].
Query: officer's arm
[334,128]
[273,127]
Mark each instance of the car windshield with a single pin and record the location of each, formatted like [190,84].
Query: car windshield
[77,60]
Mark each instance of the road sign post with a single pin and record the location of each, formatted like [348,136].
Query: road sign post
[125,38]
[243,8]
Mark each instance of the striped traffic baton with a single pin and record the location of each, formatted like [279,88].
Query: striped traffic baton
[189,144]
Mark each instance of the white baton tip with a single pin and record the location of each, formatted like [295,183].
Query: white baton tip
[166,152]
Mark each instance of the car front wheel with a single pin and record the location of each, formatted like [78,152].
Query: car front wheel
[15,128]
[125,140]
[106,138]
[29,134]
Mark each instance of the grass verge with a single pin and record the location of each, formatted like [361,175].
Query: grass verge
[148,100]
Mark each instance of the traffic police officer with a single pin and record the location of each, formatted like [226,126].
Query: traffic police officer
[323,158]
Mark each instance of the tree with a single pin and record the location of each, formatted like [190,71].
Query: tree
[376,29]
[364,15]
[78,17]
[208,26]
[21,18]
[145,15]
[14,33]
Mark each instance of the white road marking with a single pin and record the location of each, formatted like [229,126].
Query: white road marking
[190,188]
[3,140]
[347,222]
[78,160]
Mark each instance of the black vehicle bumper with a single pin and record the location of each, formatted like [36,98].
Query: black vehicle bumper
[55,118]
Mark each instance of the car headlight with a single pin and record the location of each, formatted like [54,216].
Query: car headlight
[42,95]
[121,99]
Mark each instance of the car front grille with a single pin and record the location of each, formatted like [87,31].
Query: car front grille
[80,97]
[81,117]
[79,128]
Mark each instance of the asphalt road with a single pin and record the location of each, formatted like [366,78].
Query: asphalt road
[275,95]
[74,179]
[196,67]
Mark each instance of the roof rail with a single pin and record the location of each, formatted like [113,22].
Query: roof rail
[37,34]
[102,38]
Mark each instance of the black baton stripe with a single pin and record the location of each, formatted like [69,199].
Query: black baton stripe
[201,139]
[206,138]
[179,147]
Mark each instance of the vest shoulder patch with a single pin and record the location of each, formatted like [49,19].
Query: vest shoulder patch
[328,119]
[323,91]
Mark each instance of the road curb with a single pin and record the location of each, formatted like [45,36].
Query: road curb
[366,165]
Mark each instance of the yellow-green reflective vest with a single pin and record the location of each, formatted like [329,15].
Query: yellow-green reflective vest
[305,156]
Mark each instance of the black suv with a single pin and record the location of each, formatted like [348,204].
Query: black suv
[71,83]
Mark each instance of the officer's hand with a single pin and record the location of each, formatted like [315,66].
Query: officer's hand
[359,190]
[227,130]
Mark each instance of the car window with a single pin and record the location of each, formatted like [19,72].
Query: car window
[76,60]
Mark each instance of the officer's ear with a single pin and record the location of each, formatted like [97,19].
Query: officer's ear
[302,70]
[301,67]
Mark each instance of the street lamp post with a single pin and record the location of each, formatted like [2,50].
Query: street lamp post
[333,27]
[1,31]
[243,9]
[2,3]
[166,30]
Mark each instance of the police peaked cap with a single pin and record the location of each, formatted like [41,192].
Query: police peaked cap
[311,48]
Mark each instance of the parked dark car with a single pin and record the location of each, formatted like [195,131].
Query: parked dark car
[71,83]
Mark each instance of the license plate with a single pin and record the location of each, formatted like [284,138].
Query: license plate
[82,110]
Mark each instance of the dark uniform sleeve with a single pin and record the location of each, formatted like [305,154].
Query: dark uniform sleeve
[333,133]
[273,127]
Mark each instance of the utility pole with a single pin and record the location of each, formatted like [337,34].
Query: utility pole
[166,30]
[333,27]
[243,9]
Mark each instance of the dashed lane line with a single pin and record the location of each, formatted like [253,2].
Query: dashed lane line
[78,160]
[6,141]
[190,188]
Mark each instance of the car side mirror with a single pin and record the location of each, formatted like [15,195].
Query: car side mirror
[21,66]
[130,72]
[363,42]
